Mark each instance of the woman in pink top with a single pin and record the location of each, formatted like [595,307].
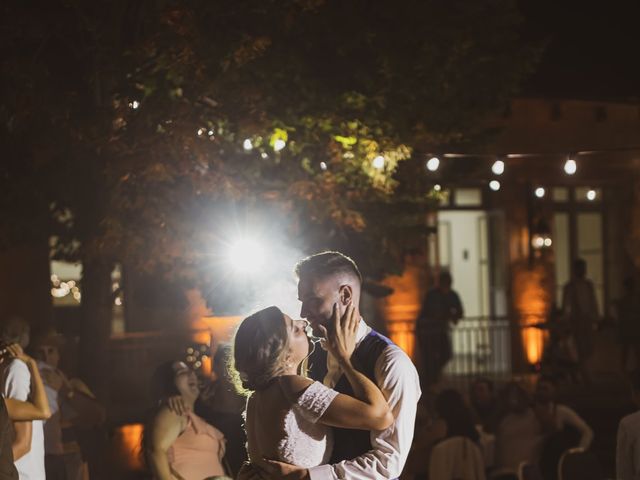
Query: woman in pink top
[183,447]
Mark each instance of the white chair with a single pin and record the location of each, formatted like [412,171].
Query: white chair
[456,458]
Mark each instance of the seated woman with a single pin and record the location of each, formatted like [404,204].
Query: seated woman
[519,432]
[453,419]
[288,416]
[182,447]
[456,418]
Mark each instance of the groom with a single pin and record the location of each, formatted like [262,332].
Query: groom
[324,279]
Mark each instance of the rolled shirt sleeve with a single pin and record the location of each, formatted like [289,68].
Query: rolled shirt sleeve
[398,380]
[17,381]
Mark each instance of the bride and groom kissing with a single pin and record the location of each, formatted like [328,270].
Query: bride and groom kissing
[351,414]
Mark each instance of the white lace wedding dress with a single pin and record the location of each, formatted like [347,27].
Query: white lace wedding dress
[289,433]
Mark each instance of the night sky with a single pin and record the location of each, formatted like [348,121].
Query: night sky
[593,50]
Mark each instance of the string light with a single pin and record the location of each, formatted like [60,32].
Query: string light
[247,145]
[323,166]
[494,185]
[433,163]
[539,192]
[279,144]
[570,166]
[498,167]
[437,187]
[378,162]
[591,195]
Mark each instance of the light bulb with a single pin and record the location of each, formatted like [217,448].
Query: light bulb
[570,167]
[433,163]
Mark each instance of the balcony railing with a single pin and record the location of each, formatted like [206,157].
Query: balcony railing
[481,346]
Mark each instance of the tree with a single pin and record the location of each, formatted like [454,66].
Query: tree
[138,121]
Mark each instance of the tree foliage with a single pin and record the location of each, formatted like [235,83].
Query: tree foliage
[132,125]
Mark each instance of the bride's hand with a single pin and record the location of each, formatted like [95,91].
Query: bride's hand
[341,340]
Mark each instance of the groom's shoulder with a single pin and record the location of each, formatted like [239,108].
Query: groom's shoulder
[385,352]
[392,359]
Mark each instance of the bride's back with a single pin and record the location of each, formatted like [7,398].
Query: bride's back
[280,429]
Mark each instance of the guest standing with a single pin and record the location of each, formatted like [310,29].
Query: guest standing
[580,308]
[440,309]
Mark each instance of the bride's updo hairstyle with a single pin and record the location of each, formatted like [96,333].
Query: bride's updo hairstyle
[259,349]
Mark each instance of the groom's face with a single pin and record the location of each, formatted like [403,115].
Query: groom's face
[318,295]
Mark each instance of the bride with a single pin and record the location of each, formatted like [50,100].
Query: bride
[289,416]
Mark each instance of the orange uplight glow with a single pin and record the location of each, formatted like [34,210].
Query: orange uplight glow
[533,340]
[212,331]
[532,301]
[402,306]
[127,442]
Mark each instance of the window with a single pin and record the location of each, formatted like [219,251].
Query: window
[468,197]
[560,194]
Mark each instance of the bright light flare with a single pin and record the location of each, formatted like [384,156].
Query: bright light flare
[498,167]
[540,192]
[246,255]
[591,195]
[247,145]
[494,185]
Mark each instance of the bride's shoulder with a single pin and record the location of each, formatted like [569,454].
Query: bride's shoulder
[294,385]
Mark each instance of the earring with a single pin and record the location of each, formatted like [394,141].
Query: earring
[288,364]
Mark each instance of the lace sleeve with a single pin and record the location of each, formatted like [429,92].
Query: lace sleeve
[314,401]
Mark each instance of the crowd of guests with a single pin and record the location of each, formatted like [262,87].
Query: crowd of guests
[509,428]
[196,430]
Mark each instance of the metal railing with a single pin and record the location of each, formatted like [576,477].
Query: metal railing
[480,346]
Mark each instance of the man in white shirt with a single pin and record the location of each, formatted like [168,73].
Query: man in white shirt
[28,444]
[628,446]
[326,279]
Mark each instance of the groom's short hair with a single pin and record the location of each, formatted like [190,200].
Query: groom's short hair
[327,263]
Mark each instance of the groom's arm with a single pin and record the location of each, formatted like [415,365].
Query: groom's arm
[398,379]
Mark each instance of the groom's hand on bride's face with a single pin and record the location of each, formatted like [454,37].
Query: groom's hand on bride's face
[285,471]
[341,337]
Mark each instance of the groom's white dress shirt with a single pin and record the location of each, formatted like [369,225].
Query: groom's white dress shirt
[397,378]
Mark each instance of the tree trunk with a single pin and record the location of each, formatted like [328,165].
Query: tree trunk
[95,328]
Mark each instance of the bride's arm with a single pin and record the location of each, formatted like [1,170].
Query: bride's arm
[368,408]
[367,411]
[165,430]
